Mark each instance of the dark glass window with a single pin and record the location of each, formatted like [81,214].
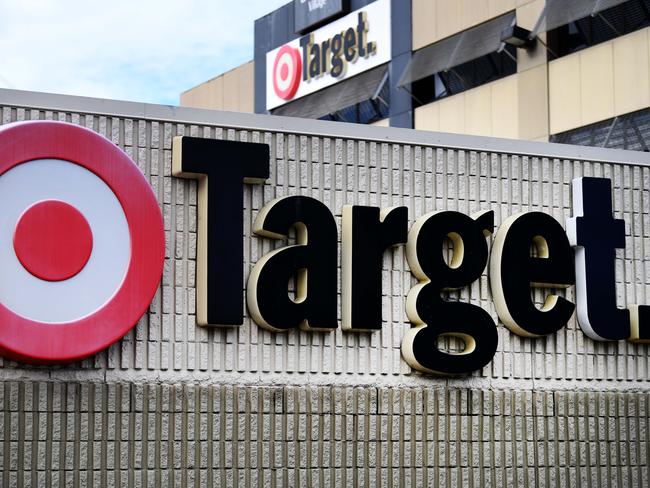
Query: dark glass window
[465,76]
[365,112]
[630,131]
[603,26]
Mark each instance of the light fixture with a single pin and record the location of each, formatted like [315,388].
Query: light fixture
[517,36]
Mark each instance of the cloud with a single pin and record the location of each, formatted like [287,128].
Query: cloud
[142,50]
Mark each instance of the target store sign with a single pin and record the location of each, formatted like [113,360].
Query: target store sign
[351,45]
[81,242]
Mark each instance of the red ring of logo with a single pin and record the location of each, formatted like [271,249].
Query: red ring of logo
[294,83]
[31,341]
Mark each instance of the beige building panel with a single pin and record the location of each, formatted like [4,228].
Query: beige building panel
[239,92]
[631,73]
[564,94]
[532,58]
[513,107]
[498,7]
[382,123]
[427,117]
[597,83]
[478,111]
[215,95]
[447,18]
[452,114]
[423,25]
[207,95]
[528,13]
[474,11]
[434,20]
[232,91]
[231,87]
[505,112]
[601,82]
[188,98]
[247,87]
[489,110]
[533,103]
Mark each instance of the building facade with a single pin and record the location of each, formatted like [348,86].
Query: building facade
[579,72]
[173,403]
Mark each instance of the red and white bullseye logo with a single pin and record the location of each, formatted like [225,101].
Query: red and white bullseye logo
[81,242]
[287,70]
[53,240]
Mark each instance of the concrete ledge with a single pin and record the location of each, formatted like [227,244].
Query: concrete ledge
[67,103]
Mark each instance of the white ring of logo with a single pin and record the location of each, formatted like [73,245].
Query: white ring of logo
[85,293]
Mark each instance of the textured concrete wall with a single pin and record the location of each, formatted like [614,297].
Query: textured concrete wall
[173,404]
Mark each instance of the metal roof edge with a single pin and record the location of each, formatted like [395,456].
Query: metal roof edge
[310,127]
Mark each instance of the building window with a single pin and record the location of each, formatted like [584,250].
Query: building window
[366,112]
[630,131]
[466,76]
[600,27]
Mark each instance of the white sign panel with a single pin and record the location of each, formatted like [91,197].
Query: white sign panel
[353,44]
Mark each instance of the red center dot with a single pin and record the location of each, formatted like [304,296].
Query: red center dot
[53,240]
[284,71]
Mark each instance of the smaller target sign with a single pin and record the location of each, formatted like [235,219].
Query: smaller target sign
[287,72]
[81,242]
[340,50]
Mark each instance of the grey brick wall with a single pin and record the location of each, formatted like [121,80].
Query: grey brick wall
[173,404]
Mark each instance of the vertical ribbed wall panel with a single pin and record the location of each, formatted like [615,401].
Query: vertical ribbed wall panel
[173,404]
[129,434]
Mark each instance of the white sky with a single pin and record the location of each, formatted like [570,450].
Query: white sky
[141,50]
